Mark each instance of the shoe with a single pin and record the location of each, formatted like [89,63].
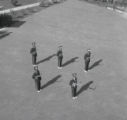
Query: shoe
[59,67]
[34,65]
[38,91]
[74,98]
[85,71]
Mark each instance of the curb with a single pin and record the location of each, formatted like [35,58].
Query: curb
[19,8]
[117,10]
[122,13]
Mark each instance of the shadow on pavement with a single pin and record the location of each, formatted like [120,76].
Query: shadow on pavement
[4,34]
[95,64]
[46,59]
[17,23]
[85,87]
[70,61]
[51,82]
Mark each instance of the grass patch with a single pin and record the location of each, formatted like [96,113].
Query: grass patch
[119,4]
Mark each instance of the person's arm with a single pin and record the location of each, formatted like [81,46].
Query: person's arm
[58,53]
[38,72]
[70,83]
[85,56]
[62,53]
[35,49]
[33,76]
[31,50]
[90,54]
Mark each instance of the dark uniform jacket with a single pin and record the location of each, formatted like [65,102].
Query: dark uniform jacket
[87,56]
[33,51]
[73,82]
[60,54]
[36,75]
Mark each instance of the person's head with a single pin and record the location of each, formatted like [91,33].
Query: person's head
[89,51]
[60,48]
[74,74]
[33,44]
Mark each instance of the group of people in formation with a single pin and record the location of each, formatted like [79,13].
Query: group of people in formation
[73,83]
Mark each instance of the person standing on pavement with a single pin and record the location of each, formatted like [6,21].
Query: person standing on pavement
[73,84]
[87,57]
[37,77]
[33,52]
[60,57]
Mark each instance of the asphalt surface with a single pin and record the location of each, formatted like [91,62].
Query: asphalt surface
[77,26]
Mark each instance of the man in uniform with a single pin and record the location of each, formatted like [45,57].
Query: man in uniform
[33,52]
[37,77]
[87,60]
[60,57]
[73,84]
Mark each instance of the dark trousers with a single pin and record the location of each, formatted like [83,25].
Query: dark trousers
[74,91]
[37,84]
[34,58]
[114,5]
[60,61]
[87,62]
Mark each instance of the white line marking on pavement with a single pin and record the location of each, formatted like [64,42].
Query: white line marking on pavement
[20,8]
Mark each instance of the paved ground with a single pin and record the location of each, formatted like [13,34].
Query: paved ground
[77,26]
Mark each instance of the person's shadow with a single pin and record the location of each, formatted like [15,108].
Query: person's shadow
[52,81]
[85,87]
[70,61]
[46,59]
[95,64]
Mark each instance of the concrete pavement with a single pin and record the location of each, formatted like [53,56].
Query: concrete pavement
[77,26]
